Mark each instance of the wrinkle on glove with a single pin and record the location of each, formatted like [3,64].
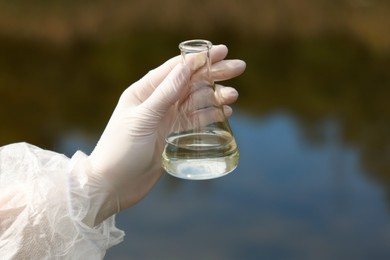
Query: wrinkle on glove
[47,207]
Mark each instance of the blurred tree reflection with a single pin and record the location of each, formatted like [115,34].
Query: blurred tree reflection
[330,78]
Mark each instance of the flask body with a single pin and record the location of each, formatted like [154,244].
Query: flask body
[200,144]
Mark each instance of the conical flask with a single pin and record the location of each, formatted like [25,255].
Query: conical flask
[200,144]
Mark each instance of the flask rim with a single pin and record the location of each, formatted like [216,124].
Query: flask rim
[194,46]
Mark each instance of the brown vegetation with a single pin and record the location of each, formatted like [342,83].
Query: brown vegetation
[64,21]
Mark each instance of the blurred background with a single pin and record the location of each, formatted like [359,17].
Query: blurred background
[312,121]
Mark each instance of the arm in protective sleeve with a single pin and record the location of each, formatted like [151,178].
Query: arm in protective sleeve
[44,199]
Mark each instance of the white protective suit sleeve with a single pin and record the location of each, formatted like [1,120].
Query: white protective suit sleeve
[44,199]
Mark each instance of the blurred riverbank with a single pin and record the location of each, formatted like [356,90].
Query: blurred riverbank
[64,22]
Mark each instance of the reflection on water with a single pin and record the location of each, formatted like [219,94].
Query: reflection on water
[287,200]
[312,124]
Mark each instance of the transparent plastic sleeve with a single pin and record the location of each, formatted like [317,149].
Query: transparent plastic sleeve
[43,205]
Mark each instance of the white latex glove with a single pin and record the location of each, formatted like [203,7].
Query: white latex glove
[125,164]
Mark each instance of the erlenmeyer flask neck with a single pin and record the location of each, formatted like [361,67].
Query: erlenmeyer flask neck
[195,54]
[193,111]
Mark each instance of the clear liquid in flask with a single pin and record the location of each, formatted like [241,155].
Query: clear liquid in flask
[201,155]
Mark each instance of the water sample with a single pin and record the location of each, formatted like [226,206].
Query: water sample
[201,144]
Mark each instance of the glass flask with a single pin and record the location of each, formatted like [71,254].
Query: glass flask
[200,144]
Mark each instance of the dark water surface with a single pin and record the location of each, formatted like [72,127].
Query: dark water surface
[312,124]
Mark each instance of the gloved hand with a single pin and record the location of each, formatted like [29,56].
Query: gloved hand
[125,164]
